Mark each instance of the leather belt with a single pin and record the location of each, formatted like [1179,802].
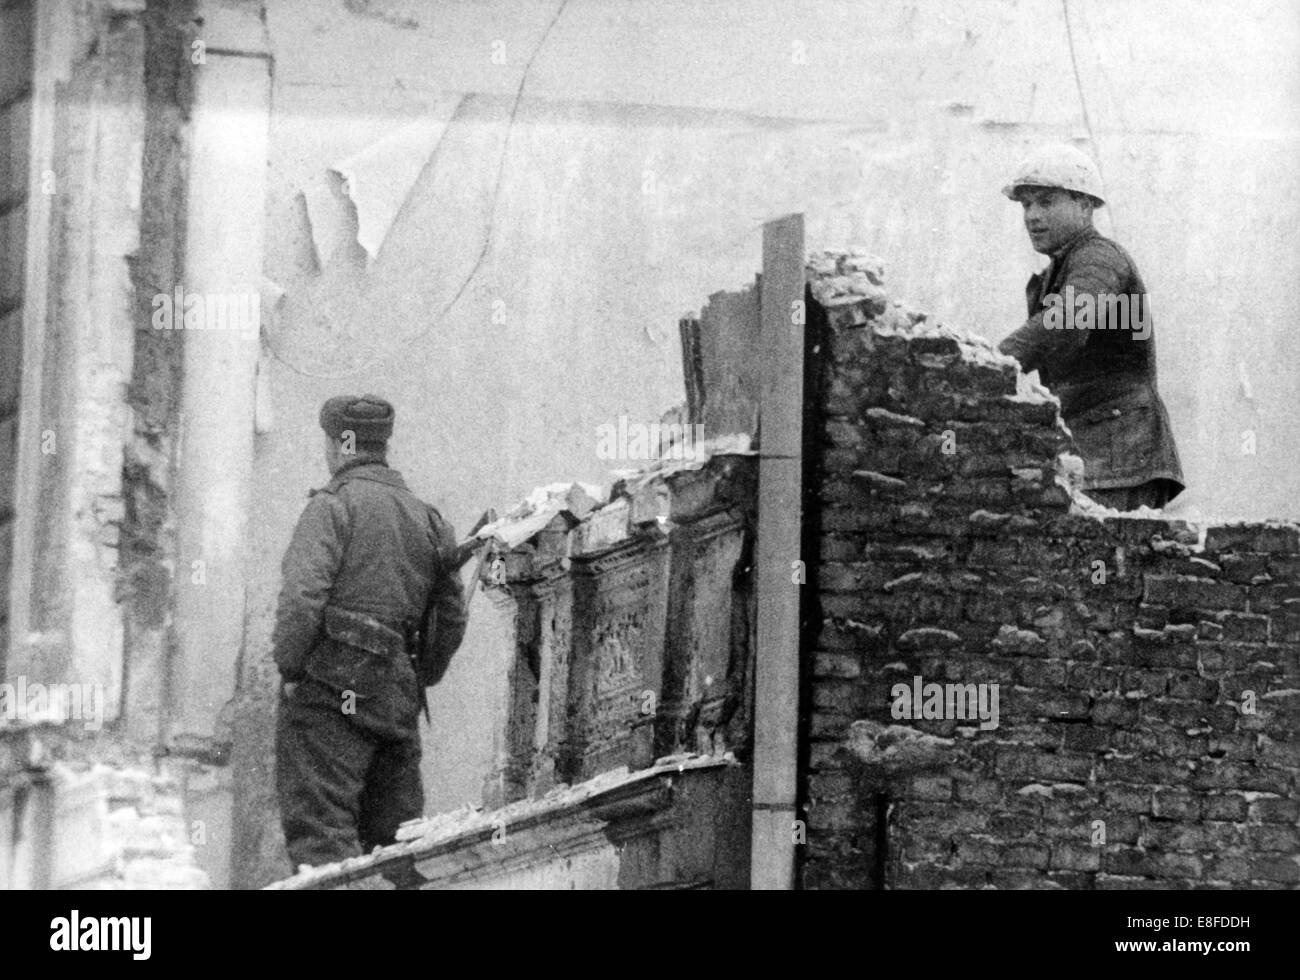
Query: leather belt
[365,632]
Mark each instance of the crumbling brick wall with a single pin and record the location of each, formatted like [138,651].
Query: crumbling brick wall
[1148,672]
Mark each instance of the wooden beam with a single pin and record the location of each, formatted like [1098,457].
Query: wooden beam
[780,518]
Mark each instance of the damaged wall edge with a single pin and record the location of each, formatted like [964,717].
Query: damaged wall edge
[223,254]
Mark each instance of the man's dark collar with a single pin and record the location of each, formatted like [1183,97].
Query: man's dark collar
[363,466]
[1088,231]
[361,459]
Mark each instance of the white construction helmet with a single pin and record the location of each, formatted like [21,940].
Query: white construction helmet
[1057,165]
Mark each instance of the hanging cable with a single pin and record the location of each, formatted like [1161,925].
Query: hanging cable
[1083,105]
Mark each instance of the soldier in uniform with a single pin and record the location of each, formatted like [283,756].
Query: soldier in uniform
[1089,335]
[369,581]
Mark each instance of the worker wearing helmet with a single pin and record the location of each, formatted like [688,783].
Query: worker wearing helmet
[1089,335]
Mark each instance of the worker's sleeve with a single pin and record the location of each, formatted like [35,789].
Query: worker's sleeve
[448,615]
[1094,268]
[310,566]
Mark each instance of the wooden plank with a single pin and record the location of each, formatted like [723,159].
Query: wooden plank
[728,337]
[692,368]
[780,483]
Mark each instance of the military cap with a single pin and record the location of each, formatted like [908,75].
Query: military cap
[368,417]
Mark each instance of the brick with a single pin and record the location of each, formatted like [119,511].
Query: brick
[846,606]
[829,785]
[1283,869]
[1180,714]
[834,815]
[836,695]
[1187,591]
[1243,627]
[1023,880]
[1094,679]
[1224,807]
[1121,828]
[844,434]
[1275,837]
[837,665]
[841,461]
[1155,650]
[1025,856]
[1284,624]
[1165,772]
[1199,838]
[1012,825]
[1151,864]
[826,755]
[979,852]
[850,577]
[1039,673]
[1275,810]
[1088,739]
[1206,630]
[1070,857]
[841,635]
[1244,569]
[981,792]
[830,724]
[1233,685]
[1193,688]
[1231,775]
[1011,640]
[1133,799]
[1114,711]
[1228,867]
[1233,747]
[1065,808]
[1014,764]
[1274,539]
[937,788]
[1281,755]
[1067,705]
[1151,616]
[993,553]
[839,548]
[1147,683]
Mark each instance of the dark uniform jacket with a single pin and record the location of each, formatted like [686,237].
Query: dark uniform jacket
[1105,377]
[366,561]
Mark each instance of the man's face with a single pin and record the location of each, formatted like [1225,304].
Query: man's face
[1053,216]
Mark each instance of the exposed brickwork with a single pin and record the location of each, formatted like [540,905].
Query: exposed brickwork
[1149,680]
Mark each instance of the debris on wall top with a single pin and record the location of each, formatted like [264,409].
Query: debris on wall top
[591,518]
[468,826]
[838,278]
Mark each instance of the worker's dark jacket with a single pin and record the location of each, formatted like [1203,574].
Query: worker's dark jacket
[1105,376]
[366,556]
